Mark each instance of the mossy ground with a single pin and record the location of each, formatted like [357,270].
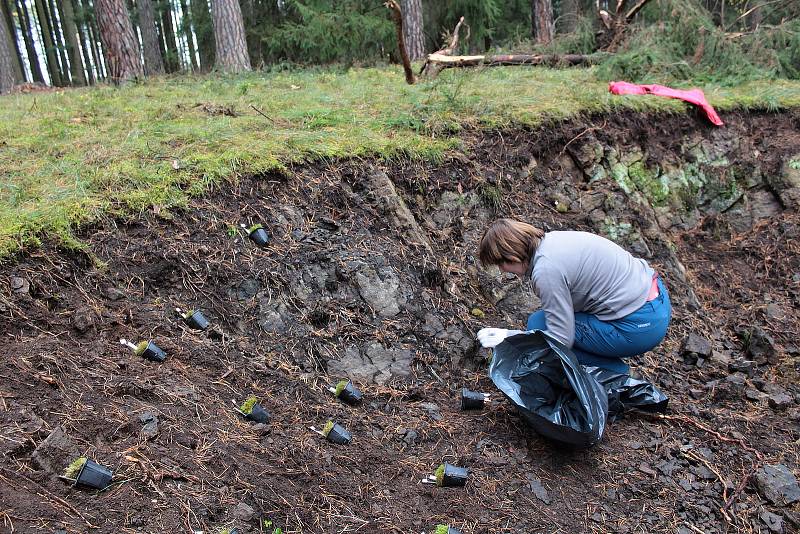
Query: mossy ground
[69,157]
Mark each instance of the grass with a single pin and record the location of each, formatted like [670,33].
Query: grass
[72,157]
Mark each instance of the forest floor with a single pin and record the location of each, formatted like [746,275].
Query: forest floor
[370,274]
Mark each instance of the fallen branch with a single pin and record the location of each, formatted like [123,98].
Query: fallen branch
[444,61]
[431,69]
[397,14]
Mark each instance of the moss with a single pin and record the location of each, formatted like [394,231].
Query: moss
[649,182]
[188,314]
[72,470]
[327,428]
[794,164]
[340,387]
[477,312]
[492,196]
[439,473]
[254,228]
[141,347]
[442,529]
[247,405]
[619,172]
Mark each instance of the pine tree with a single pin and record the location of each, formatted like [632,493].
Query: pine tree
[19,75]
[229,36]
[412,29]
[49,46]
[59,41]
[542,27]
[86,50]
[73,46]
[119,41]
[201,17]
[172,60]
[27,36]
[153,62]
[7,78]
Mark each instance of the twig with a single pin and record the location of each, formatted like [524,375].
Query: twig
[262,113]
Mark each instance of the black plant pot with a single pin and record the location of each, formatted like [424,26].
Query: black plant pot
[454,476]
[339,435]
[350,394]
[153,353]
[197,321]
[260,237]
[94,475]
[258,414]
[472,400]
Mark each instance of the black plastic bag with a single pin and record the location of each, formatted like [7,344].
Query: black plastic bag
[561,399]
[550,388]
[625,392]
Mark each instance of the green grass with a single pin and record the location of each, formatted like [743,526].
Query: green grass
[71,157]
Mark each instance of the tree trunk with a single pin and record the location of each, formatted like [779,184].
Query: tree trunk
[19,73]
[7,77]
[33,57]
[172,60]
[568,19]
[542,21]
[412,29]
[58,39]
[119,42]
[153,62]
[47,39]
[204,32]
[251,19]
[73,48]
[100,65]
[186,29]
[229,36]
[85,48]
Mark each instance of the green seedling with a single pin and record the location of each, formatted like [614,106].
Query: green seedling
[447,475]
[442,529]
[184,314]
[252,228]
[247,406]
[340,386]
[275,530]
[72,470]
[327,428]
[439,475]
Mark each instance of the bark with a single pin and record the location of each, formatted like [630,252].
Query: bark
[543,28]
[73,47]
[60,42]
[570,12]
[47,40]
[119,42]
[153,62]
[172,60]
[7,78]
[186,29]
[229,36]
[204,32]
[33,57]
[413,29]
[19,74]
[398,21]
[86,50]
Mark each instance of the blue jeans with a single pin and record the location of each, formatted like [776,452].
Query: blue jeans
[604,343]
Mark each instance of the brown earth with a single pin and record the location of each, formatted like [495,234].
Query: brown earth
[356,279]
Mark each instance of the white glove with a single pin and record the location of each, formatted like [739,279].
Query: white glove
[491,337]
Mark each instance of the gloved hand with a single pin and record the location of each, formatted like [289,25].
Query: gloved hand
[491,337]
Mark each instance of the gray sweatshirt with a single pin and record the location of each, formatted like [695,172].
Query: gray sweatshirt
[582,272]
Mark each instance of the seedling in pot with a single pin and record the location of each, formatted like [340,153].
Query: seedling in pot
[253,411]
[347,392]
[87,473]
[194,319]
[146,349]
[257,233]
[447,476]
[446,529]
[335,433]
[473,400]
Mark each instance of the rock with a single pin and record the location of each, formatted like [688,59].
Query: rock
[247,289]
[780,401]
[375,363]
[695,347]
[754,395]
[19,285]
[538,490]
[56,452]
[697,393]
[774,522]
[380,289]
[778,484]
[760,346]
[720,358]
[150,422]
[243,512]
[410,437]
[433,410]
[743,366]
[270,317]
[644,468]
[114,293]
[83,319]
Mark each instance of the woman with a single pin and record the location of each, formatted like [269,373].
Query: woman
[597,299]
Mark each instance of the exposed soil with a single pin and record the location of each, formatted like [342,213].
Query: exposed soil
[349,277]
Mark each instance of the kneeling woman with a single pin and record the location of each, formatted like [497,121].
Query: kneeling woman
[596,297]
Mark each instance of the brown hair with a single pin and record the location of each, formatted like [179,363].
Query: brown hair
[509,241]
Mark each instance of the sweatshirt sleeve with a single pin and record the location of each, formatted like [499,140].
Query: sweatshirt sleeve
[551,287]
